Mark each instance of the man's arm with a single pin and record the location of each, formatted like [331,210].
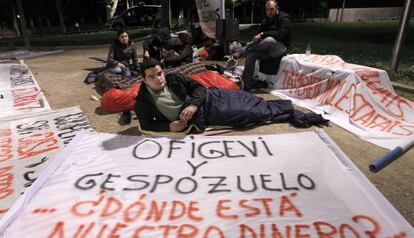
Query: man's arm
[111,56]
[187,51]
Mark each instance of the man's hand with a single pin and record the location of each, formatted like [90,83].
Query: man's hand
[257,38]
[177,126]
[188,113]
[121,65]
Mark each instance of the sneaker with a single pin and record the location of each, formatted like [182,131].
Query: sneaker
[231,64]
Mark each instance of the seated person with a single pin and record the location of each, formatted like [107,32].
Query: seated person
[122,56]
[271,41]
[154,46]
[206,51]
[181,52]
[172,102]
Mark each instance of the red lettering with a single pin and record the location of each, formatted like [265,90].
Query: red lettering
[43,142]
[6,182]
[286,205]
[243,203]
[220,208]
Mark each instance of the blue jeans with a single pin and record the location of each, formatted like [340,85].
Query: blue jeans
[267,48]
[126,72]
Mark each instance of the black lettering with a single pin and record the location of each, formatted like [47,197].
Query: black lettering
[132,179]
[245,190]
[265,181]
[89,183]
[218,184]
[189,179]
[157,150]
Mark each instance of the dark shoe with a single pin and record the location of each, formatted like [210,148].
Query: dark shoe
[259,84]
[126,117]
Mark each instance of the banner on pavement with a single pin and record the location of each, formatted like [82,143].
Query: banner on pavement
[358,98]
[27,145]
[267,186]
[20,94]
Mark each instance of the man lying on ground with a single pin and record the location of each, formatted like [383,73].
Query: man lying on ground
[173,102]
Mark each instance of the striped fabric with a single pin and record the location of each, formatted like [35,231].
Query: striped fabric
[107,80]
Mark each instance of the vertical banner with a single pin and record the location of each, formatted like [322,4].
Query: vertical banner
[27,145]
[208,11]
[207,187]
[358,98]
[20,94]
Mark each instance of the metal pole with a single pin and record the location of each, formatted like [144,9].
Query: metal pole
[342,12]
[402,33]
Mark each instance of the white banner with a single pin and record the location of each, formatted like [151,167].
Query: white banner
[20,94]
[27,145]
[209,187]
[358,98]
[208,11]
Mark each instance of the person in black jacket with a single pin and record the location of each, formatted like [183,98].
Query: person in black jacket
[172,102]
[154,46]
[271,41]
[181,52]
[122,56]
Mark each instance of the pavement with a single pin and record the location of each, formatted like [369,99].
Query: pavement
[61,78]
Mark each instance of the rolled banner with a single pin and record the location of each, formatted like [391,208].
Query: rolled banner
[391,155]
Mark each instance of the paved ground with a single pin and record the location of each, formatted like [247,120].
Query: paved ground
[61,77]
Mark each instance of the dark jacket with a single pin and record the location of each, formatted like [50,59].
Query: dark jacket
[188,90]
[120,53]
[185,56]
[277,27]
[161,40]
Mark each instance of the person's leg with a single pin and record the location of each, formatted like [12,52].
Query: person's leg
[268,45]
[238,108]
[126,72]
[249,65]
[115,70]
[265,49]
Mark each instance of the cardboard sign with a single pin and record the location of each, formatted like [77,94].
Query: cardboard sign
[358,98]
[286,185]
[208,13]
[20,94]
[27,145]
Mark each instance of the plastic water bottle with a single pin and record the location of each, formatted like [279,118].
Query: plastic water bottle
[308,50]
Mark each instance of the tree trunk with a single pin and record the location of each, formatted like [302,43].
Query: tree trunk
[23,24]
[110,9]
[15,23]
[252,14]
[60,15]
[39,18]
[165,9]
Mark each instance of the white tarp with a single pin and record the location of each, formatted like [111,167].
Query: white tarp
[358,98]
[27,145]
[20,94]
[267,186]
[208,12]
